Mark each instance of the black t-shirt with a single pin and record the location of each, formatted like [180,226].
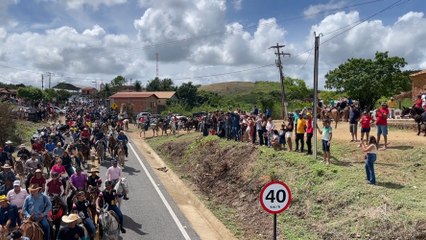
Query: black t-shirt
[93,180]
[110,197]
[66,233]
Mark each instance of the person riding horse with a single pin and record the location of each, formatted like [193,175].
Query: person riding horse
[123,137]
[113,174]
[81,207]
[109,196]
[9,216]
[36,207]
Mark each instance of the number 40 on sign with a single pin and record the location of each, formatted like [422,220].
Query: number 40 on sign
[275,197]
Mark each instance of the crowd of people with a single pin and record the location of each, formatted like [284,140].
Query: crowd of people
[53,167]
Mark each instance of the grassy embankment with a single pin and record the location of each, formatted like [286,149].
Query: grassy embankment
[329,202]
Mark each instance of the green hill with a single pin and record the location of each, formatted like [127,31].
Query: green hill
[240,88]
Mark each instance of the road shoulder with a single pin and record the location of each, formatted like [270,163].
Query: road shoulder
[204,223]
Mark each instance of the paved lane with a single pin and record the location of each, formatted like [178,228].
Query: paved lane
[150,213]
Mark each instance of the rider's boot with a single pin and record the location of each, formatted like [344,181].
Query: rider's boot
[122,229]
[125,197]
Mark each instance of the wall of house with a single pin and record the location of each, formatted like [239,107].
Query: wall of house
[418,85]
[139,104]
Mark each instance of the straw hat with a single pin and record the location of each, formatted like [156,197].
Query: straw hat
[93,170]
[8,142]
[34,188]
[38,171]
[70,218]
[6,166]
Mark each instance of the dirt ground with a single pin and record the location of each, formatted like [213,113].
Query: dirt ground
[396,136]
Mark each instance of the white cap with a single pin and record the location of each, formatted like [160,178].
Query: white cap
[17,183]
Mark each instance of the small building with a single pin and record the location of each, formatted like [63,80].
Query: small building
[8,93]
[418,83]
[163,97]
[89,91]
[153,102]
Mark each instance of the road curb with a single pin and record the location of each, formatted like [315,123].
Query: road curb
[202,220]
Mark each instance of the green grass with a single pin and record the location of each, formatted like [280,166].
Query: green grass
[25,130]
[330,201]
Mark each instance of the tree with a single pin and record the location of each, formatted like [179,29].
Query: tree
[49,94]
[118,81]
[30,93]
[367,80]
[62,95]
[160,85]
[187,94]
[138,86]
[295,89]
[154,85]
[106,91]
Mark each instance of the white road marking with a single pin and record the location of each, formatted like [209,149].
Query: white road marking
[169,208]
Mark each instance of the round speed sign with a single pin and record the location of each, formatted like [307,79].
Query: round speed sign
[275,197]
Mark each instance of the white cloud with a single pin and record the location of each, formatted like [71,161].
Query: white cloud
[75,4]
[404,38]
[314,10]
[237,4]
[95,31]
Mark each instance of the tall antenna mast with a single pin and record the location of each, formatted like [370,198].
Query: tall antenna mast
[156,68]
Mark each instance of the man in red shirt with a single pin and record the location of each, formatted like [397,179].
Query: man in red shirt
[382,124]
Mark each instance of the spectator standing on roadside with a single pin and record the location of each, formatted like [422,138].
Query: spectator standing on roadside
[354,116]
[326,133]
[382,124]
[288,132]
[300,132]
[366,121]
[392,105]
[370,158]
[309,133]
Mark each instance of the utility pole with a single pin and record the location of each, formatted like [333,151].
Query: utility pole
[315,123]
[156,66]
[42,82]
[49,74]
[280,68]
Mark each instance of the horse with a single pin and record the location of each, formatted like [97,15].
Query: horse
[121,152]
[112,143]
[59,209]
[100,150]
[122,188]
[85,151]
[420,119]
[19,169]
[92,194]
[333,114]
[32,230]
[109,227]
[47,162]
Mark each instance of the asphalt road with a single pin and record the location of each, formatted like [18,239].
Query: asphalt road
[150,213]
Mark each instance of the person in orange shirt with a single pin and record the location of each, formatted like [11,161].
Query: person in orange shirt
[300,132]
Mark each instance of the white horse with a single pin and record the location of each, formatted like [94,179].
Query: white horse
[109,225]
[122,188]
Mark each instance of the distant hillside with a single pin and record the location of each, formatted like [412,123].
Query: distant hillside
[238,88]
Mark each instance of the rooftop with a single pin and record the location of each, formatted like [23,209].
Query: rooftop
[159,95]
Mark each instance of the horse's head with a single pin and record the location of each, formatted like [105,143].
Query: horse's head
[405,111]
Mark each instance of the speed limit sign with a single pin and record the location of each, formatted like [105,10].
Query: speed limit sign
[275,197]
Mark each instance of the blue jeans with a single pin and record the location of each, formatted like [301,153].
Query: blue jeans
[46,228]
[369,167]
[118,212]
[90,226]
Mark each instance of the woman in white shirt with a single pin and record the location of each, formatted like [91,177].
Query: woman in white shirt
[370,158]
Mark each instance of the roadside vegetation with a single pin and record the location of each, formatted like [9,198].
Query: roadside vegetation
[329,202]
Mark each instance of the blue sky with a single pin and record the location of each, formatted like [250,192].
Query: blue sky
[88,41]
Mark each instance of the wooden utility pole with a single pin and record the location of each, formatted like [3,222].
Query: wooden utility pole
[42,82]
[278,53]
[315,123]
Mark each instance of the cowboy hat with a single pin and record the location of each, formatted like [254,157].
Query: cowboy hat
[3,198]
[38,171]
[70,218]
[8,142]
[93,170]
[6,166]
[34,187]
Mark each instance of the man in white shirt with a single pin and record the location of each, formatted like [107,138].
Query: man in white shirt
[113,174]
[17,195]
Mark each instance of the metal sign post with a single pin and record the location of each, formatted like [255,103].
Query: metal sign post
[275,197]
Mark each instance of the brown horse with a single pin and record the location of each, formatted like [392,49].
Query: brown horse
[32,230]
[333,114]
[47,162]
[112,143]
[91,195]
[19,169]
[121,152]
